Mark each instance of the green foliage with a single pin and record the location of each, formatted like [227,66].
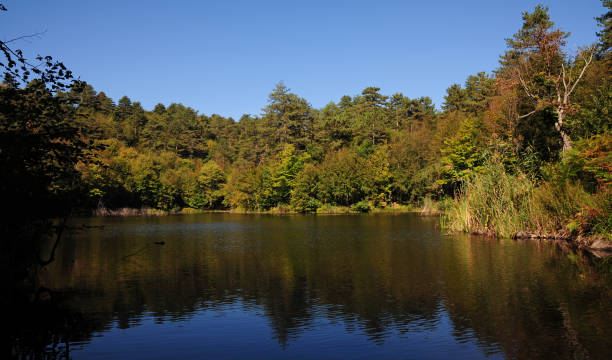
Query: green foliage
[306,190]
[538,134]
[158,159]
[526,40]
[205,190]
[572,226]
[599,217]
[266,187]
[462,156]
[343,181]
[178,129]
[474,98]
[493,202]
[605,22]
[589,165]
[146,184]
[369,149]
[289,117]
[284,173]
[241,188]
[377,177]
[594,96]
[589,162]
[498,203]
[361,206]
[40,145]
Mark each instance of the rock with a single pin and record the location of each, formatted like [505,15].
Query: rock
[601,245]
[521,235]
[600,254]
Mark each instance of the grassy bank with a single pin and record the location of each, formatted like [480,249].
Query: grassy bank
[325,209]
[329,209]
[499,203]
[127,211]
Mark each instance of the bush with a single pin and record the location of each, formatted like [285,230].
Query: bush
[588,162]
[361,206]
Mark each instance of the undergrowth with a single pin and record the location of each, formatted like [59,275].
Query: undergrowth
[503,204]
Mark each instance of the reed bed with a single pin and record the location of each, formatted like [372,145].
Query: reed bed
[497,203]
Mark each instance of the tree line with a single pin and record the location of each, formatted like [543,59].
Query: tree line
[543,113]
[527,147]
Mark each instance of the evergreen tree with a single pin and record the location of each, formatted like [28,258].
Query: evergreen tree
[605,23]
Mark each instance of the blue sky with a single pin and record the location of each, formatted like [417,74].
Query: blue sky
[225,57]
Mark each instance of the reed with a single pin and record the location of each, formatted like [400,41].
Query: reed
[333,209]
[126,211]
[501,204]
[430,207]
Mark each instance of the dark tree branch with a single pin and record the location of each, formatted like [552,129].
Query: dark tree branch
[24,37]
[60,230]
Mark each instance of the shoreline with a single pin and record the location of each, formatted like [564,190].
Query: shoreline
[595,245]
[332,210]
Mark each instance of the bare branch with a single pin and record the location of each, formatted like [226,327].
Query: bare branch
[529,113]
[587,62]
[525,86]
[557,86]
[563,75]
[60,229]
[35,35]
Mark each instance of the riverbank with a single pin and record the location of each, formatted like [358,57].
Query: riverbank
[279,210]
[595,244]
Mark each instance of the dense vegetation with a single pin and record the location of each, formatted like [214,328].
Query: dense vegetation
[527,147]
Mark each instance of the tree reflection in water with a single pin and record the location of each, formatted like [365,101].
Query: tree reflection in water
[378,276]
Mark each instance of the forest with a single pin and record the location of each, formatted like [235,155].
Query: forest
[527,147]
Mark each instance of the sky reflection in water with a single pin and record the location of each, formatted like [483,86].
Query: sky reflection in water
[236,286]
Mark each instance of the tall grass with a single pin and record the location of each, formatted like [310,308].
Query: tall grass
[434,207]
[103,211]
[502,204]
[429,207]
[393,208]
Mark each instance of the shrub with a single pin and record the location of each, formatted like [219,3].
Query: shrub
[361,206]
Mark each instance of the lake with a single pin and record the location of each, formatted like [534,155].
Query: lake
[230,286]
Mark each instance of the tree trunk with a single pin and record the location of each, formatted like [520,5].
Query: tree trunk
[567,142]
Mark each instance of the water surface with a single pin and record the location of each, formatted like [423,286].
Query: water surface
[376,286]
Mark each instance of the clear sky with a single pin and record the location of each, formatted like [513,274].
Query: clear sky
[225,57]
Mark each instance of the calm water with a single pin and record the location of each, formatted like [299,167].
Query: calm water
[227,286]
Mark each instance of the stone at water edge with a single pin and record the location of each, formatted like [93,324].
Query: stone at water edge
[601,245]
